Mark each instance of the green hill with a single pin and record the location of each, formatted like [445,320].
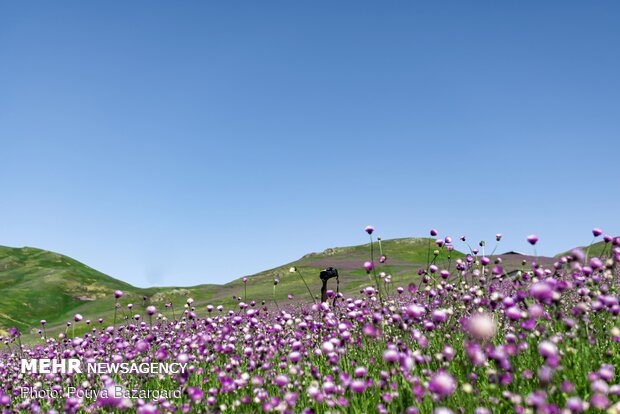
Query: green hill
[38,284]
[404,256]
[596,249]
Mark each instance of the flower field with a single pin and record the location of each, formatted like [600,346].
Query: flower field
[464,336]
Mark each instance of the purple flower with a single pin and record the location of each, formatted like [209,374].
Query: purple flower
[567,387]
[442,384]
[390,355]
[513,313]
[532,239]
[578,254]
[142,346]
[547,349]
[281,380]
[439,315]
[4,399]
[161,354]
[606,372]
[599,401]
[541,291]
[358,386]
[195,394]
[599,386]
[369,229]
[416,311]
[575,404]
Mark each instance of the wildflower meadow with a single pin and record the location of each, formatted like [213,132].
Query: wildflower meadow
[463,335]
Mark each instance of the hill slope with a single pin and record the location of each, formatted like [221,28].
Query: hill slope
[404,256]
[38,284]
[596,249]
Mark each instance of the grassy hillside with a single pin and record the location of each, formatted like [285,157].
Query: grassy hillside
[596,249]
[38,284]
[404,256]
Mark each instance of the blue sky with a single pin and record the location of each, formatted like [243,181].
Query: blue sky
[183,143]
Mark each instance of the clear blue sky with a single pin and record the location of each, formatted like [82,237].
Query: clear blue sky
[169,143]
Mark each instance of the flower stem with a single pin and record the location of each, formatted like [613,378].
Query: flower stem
[274,297]
[307,287]
[374,271]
